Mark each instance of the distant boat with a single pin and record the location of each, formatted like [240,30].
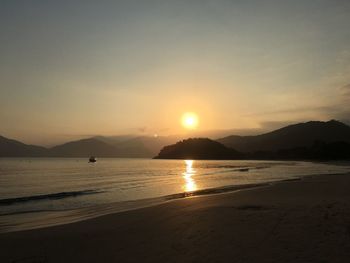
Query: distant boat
[92,159]
[243,170]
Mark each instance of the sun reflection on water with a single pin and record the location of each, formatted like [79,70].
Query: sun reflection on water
[190,184]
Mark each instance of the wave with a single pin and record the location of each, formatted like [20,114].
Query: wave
[9,222]
[216,190]
[53,196]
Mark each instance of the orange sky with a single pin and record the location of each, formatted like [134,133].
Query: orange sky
[71,70]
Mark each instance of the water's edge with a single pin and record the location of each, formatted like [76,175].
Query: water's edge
[41,219]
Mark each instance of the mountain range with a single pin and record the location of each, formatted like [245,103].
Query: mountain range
[206,149]
[13,148]
[100,146]
[292,136]
[301,136]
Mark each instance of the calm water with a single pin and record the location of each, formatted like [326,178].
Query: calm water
[29,186]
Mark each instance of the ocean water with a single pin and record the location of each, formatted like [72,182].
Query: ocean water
[47,191]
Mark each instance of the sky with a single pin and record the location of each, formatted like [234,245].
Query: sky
[72,69]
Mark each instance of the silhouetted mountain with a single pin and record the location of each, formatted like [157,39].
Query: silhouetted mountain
[13,148]
[291,142]
[139,146]
[114,140]
[114,146]
[198,149]
[84,148]
[151,145]
[320,151]
[293,136]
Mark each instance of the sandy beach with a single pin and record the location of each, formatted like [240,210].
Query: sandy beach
[298,221]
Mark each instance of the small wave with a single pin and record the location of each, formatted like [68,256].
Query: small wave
[216,190]
[237,167]
[61,195]
[223,166]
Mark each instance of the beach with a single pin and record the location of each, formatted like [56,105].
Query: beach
[306,220]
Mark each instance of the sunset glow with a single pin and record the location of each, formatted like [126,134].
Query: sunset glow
[190,184]
[190,120]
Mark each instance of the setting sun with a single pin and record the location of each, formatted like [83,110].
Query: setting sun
[190,120]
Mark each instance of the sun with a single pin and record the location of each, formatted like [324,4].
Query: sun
[189,120]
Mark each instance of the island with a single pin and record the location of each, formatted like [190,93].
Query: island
[199,149]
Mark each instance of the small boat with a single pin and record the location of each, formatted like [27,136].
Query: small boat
[92,159]
[243,170]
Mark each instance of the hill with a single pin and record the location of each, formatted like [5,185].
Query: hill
[148,145]
[294,141]
[83,148]
[13,148]
[293,136]
[198,149]
[139,146]
[319,151]
[114,146]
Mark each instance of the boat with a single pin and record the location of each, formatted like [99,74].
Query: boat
[92,159]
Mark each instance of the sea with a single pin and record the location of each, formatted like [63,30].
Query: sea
[41,192]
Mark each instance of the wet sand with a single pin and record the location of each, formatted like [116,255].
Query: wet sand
[297,221]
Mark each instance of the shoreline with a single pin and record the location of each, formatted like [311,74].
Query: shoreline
[300,221]
[25,221]
[31,220]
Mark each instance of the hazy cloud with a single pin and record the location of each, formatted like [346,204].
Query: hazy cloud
[121,67]
[142,129]
[273,125]
[346,91]
[329,109]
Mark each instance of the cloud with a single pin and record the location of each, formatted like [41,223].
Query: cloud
[319,109]
[335,107]
[273,125]
[343,113]
[346,91]
[142,129]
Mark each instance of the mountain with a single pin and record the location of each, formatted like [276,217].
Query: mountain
[139,146]
[13,148]
[114,146]
[293,136]
[114,139]
[206,149]
[152,145]
[294,141]
[84,148]
[198,149]
[320,151]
